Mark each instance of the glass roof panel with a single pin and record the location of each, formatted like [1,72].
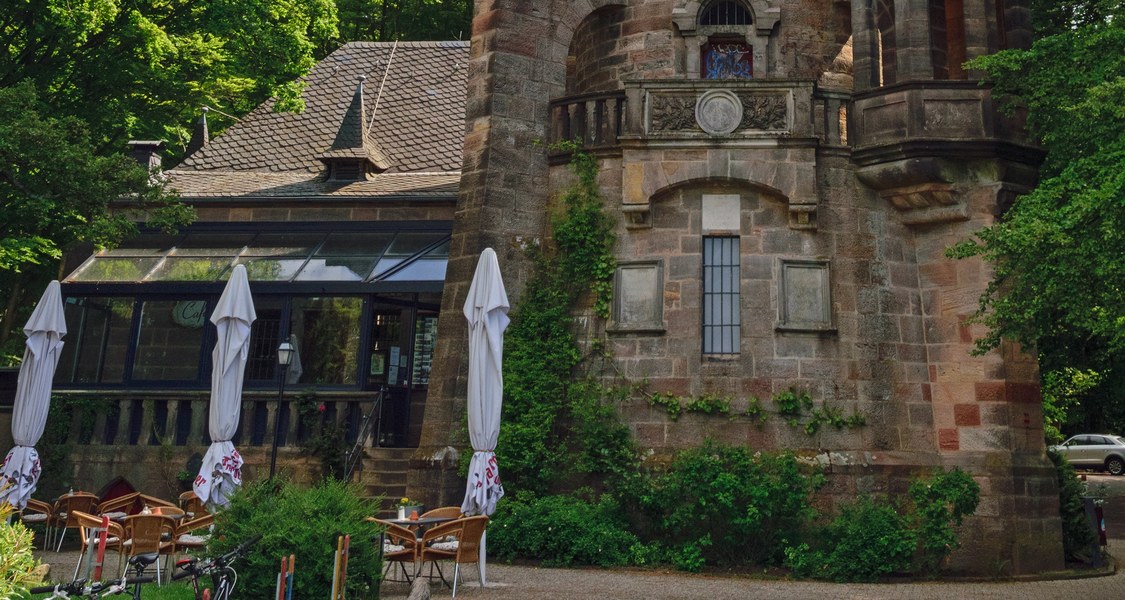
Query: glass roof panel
[145,245]
[213,244]
[355,244]
[284,244]
[407,244]
[423,269]
[106,268]
[337,268]
[176,268]
[428,267]
[271,269]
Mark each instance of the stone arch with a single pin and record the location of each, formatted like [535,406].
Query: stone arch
[761,189]
[595,56]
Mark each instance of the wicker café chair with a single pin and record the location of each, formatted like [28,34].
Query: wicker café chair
[117,508]
[444,511]
[400,546]
[88,526]
[61,518]
[191,504]
[149,534]
[464,550]
[191,534]
[38,512]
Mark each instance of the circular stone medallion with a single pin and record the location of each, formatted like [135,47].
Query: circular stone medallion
[718,112]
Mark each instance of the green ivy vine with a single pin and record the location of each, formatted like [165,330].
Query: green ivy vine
[555,421]
[794,406]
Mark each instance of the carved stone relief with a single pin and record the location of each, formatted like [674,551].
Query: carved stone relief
[673,113]
[768,113]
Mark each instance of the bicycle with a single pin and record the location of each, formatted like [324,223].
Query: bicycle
[223,575]
[81,588]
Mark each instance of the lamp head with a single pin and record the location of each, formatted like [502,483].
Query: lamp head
[285,354]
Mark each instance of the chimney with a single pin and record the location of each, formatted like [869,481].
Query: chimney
[199,136]
[146,152]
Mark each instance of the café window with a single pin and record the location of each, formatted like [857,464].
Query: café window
[327,333]
[139,315]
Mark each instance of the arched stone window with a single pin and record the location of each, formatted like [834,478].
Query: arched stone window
[727,39]
[725,12]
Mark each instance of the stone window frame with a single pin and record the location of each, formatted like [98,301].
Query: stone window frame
[756,35]
[734,323]
[784,323]
[655,324]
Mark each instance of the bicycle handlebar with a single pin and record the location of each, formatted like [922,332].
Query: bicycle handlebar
[193,568]
[78,587]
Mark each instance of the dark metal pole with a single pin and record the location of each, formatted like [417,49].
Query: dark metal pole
[277,420]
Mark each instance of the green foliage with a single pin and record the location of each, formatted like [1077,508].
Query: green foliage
[727,505]
[141,70]
[54,447]
[874,537]
[305,522]
[1062,393]
[941,503]
[386,20]
[54,192]
[562,530]
[868,540]
[795,407]
[17,561]
[1078,536]
[551,422]
[1057,256]
[322,438]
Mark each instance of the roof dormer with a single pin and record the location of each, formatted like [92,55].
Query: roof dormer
[353,155]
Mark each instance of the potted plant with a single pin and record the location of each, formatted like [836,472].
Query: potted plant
[408,507]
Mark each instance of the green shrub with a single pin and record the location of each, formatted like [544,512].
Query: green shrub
[1078,536]
[17,563]
[562,531]
[305,522]
[940,503]
[727,505]
[869,539]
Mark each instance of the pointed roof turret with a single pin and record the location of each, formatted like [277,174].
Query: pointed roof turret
[199,136]
[353,153]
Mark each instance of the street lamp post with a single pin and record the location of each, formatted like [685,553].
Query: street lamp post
[284,359]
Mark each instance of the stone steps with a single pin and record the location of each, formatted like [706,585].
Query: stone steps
[384,472]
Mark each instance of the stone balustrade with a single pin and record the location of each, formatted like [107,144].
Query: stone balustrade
[181,420]
[680,110]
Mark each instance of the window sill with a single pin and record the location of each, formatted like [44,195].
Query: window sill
[806,328]
[620,329]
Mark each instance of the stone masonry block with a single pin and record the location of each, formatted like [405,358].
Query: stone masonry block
[949,440]
[966,415]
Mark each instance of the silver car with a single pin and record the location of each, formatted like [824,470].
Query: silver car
[1095,451]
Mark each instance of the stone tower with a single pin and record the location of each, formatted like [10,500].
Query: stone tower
[786,175]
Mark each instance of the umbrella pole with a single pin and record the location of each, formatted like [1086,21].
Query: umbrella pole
[483,552]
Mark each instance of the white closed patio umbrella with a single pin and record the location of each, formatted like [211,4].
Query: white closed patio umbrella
[45,329]
[487,312]
[221,471]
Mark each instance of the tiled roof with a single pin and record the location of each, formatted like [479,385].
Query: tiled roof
[299,184]
[418,125]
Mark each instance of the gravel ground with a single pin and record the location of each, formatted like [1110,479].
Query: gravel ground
[532,583]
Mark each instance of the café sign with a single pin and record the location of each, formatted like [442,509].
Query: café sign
[190,313]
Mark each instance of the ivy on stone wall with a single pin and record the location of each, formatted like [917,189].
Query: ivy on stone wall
[555,423]
[794,406]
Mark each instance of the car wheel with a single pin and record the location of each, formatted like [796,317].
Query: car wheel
[1115,465]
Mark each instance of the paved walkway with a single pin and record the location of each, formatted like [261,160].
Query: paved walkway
[533,583]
